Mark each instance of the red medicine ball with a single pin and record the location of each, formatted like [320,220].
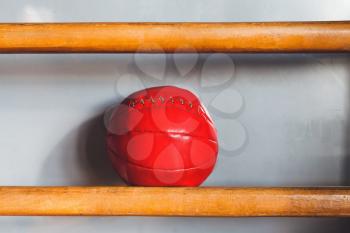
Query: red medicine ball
[162,136]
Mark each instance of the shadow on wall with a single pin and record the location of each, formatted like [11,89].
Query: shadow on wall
[346,164]
[87,164]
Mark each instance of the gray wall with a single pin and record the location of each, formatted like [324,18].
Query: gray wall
[283,119]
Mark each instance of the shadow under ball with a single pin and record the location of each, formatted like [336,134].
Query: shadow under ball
[162,136]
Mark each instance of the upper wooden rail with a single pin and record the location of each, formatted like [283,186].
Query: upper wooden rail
[175,37]
[229,202]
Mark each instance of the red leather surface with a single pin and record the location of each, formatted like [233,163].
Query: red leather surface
[162,136]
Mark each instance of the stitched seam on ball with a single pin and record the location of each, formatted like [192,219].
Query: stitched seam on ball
[132,102]
[160,169]
[153,100]
[167,133]
[200,108]
[115,153]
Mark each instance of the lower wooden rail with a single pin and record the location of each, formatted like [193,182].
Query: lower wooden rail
[204,201]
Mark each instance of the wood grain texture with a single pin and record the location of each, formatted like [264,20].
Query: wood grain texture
[204,201]
[175,37]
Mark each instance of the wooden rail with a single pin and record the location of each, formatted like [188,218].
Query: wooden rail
[204,201]
[175,37]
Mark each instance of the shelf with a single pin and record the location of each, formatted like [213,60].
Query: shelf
[187,38]
[203,201]
[175,37]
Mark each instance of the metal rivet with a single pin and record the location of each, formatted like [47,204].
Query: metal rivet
[142,101]
[181,101]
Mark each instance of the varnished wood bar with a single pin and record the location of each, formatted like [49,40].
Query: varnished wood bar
[203,201]
[274,37]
